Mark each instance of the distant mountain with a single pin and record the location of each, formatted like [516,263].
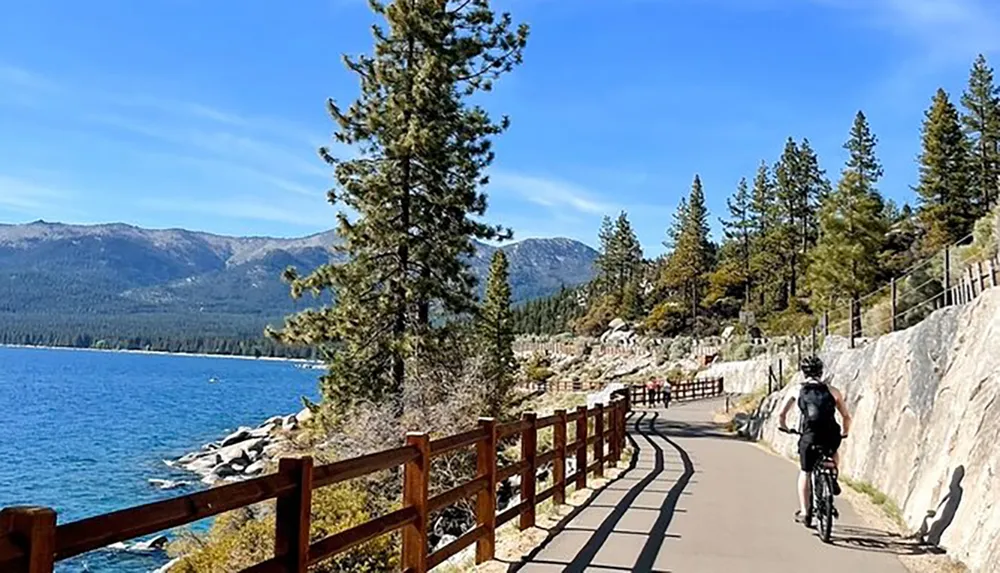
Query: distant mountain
[52,269]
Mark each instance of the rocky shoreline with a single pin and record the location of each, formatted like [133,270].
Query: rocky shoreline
[243,454]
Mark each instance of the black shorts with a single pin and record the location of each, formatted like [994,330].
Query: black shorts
[813,445]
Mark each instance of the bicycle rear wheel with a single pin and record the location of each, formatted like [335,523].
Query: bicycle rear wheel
[824,502]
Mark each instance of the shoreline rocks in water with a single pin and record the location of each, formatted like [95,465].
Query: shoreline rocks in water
[243,454]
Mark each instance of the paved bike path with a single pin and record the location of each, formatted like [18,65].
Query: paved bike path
[699,500]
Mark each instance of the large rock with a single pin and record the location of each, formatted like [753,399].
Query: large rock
[926,408]
[617,324]
[157,543]
[604,396]
[304,416]
[236,437]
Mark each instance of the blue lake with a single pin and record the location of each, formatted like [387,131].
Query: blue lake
[83,431]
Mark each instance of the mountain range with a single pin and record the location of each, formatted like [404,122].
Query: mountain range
[117,270]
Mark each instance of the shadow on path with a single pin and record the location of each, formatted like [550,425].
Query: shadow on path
[647,429]
[874,540]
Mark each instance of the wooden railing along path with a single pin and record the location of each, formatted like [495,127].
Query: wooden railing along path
[696,389]
[31,542]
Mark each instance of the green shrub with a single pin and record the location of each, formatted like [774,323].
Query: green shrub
[681,347]
[239,539]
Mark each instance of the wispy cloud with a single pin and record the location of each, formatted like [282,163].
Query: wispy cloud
[553,193]
[245,208]
[27,196]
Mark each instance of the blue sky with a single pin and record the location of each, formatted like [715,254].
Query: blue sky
[206,115]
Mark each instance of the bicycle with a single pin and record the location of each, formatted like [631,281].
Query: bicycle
[823,477]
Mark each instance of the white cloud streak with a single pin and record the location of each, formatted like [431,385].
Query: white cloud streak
[552,193]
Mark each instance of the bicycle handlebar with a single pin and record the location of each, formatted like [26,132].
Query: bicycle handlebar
[798,433]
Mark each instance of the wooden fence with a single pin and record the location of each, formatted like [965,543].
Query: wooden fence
[30,541]
[681,392]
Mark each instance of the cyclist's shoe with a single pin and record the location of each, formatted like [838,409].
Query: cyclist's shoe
[803,519]
[836,514]
[836,487]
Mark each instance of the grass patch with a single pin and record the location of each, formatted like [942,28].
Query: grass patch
[878,498]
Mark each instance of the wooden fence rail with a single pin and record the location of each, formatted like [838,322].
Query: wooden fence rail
[31,542]
[696,389]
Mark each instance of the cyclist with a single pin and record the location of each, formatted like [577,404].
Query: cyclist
[818,403]
[667,388]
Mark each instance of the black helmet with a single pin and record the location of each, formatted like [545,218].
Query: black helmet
[812,367]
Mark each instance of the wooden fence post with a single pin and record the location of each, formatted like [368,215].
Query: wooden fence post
[292,511]
[486,501]
[599,442]
[559,463]
[895,305]
[979,276]
[993,272]
[416,482]
[581,452]
[529,451]
[36,529]
[826,323]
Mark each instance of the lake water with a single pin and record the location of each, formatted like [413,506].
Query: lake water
[83,431]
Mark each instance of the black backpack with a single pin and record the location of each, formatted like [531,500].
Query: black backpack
[818,406]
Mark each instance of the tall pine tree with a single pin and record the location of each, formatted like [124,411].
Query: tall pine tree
[982,125]
[852,227]
[691,260]
[947,206]
[496,336]
[765,260]
[415,190]
[738,231]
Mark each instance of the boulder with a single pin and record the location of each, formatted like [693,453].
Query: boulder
[157,543]
[262,432]
[166,483]
[204,464]
[255,468]
[304,416]
[620,337]
[239,451]
[236,437]
[290,423]
[616,325]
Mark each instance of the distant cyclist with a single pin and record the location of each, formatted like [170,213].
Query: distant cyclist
[667,388]
[818,403]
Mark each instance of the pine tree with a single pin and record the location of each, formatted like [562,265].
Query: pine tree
[947,207]
[861,149]
[691,260]
[496,335]
[982,125]
[852,232]
[738,229]
[765,262]
[605,263]
[853,226]
[677,224]
[628,255]
[414,191]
